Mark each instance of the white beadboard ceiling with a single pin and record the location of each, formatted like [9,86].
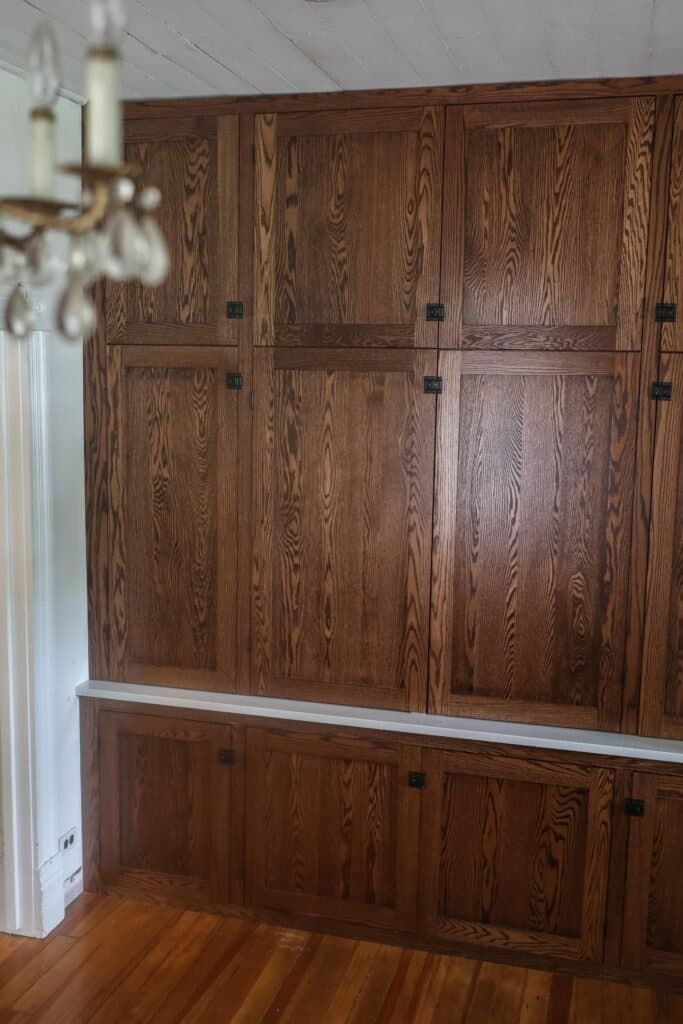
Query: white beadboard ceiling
[204,47]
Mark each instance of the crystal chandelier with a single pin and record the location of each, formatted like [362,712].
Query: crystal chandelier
[112,232]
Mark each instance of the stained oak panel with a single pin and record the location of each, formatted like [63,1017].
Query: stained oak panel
[534,488]
[653,932]
[173,507]
[546,224]
[348,227]
[165,807]
[515,853]
[672,333]
[343,450]
[195,163]
[327,820]
[662,677]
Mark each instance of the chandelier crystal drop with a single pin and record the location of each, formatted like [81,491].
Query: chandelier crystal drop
[112,232]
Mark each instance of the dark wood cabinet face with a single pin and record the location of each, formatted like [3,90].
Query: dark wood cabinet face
[173,494]
[662,677]
[327,826]
[534,490]
[195,163]
[672,333]
[653,932]
[343,449]
[546,224]
[166,807]
[348,227]
[515,853]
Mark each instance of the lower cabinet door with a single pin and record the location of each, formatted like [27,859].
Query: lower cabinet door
[165,797]
[515,852]
[653,925]
[332,827]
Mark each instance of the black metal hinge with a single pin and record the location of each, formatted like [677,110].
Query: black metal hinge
[417,780]
[226,755]
[661,390]
[665,313]
[234,310]
[433,385]
[635,808]
[234,381]
[436,311]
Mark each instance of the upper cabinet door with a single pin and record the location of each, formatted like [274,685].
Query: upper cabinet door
[195,163]
[343,463]
[534,494]
[348,227]
[662,685]
[545,224]
[672,333]
[173,516]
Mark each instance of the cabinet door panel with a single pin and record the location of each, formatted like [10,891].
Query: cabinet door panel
[166,806]
[545,224]
[515,853]
[195,163]
[672,333]
[653,931]
[348,227]
[343,449]
[662,685]
[326,826]
[534,484]
[173,496]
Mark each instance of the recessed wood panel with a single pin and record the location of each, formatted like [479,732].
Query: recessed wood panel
[546,224]
[532,534]
[515,853]
[166,804]
[326,818]
[348,227]
[174,516]
[343,447]
[195,164]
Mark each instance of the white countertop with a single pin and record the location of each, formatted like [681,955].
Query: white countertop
[434,726]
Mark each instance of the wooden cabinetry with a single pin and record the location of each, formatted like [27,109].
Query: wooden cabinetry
[672,332]
[534,491]
[196,163]
[332,827]
[515,852]
[546,224]
[166,802]
[348,227]
[343,447]
[174,496]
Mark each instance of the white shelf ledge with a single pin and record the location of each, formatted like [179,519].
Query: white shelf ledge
[433,726]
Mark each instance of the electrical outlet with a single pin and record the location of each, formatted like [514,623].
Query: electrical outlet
[67,841]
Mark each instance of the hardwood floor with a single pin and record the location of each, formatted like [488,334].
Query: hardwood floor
[117,961]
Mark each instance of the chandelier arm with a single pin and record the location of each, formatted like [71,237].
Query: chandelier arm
[41,220]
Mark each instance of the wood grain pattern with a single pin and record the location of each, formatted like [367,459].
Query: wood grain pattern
[343,445]
[515,853]
[672,336]
[534,489]
[173,515]
[165,807]
[546,223]
[662,683]
[348,227]
[325,821]
[195,163]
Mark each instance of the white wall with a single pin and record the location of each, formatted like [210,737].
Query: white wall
[50,371]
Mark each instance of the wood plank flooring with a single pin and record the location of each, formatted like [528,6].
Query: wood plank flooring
[117,961]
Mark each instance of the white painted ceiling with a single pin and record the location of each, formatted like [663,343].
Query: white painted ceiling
[204,47]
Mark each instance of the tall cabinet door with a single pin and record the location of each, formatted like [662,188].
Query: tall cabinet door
[343,464]
[195,162]
[672,332]
[546,224]
[534,491]
[173,526]
[348,227]
[662,681]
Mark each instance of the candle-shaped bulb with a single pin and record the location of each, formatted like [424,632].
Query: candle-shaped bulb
[108,21]
[43,67]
